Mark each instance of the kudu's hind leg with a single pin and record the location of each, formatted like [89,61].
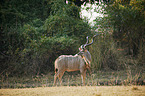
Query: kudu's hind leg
[83,76]
[60,77]
[55,77]
[58,74]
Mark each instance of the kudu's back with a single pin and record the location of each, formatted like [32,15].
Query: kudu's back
[73,63]
[69,63]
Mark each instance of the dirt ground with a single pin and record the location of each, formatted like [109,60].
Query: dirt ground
[76,91]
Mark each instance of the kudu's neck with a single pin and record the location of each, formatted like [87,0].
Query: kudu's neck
[87,56]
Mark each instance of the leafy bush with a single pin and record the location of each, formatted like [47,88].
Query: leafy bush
[33,43]
[105,54]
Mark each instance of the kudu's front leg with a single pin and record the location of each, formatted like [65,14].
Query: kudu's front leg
[89,68]
[83,75]
[87,65]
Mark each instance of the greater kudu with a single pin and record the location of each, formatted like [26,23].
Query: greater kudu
[74,63]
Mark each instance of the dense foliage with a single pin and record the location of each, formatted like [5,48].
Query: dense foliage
[35,33]
[123,29]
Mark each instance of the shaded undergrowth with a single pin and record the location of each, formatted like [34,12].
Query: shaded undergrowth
[98,78]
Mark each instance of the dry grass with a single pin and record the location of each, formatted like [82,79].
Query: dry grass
[76,91]
[99,78]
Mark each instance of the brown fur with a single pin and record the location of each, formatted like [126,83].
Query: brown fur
[69,63]
[73,63]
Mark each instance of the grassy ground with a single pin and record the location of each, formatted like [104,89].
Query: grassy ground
[77,91]
[98,78]
[100,83]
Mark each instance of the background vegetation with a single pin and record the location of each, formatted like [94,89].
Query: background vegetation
[123,28]
[34,33]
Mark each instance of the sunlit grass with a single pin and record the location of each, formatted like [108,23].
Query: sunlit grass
[76,91]
[100,83]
